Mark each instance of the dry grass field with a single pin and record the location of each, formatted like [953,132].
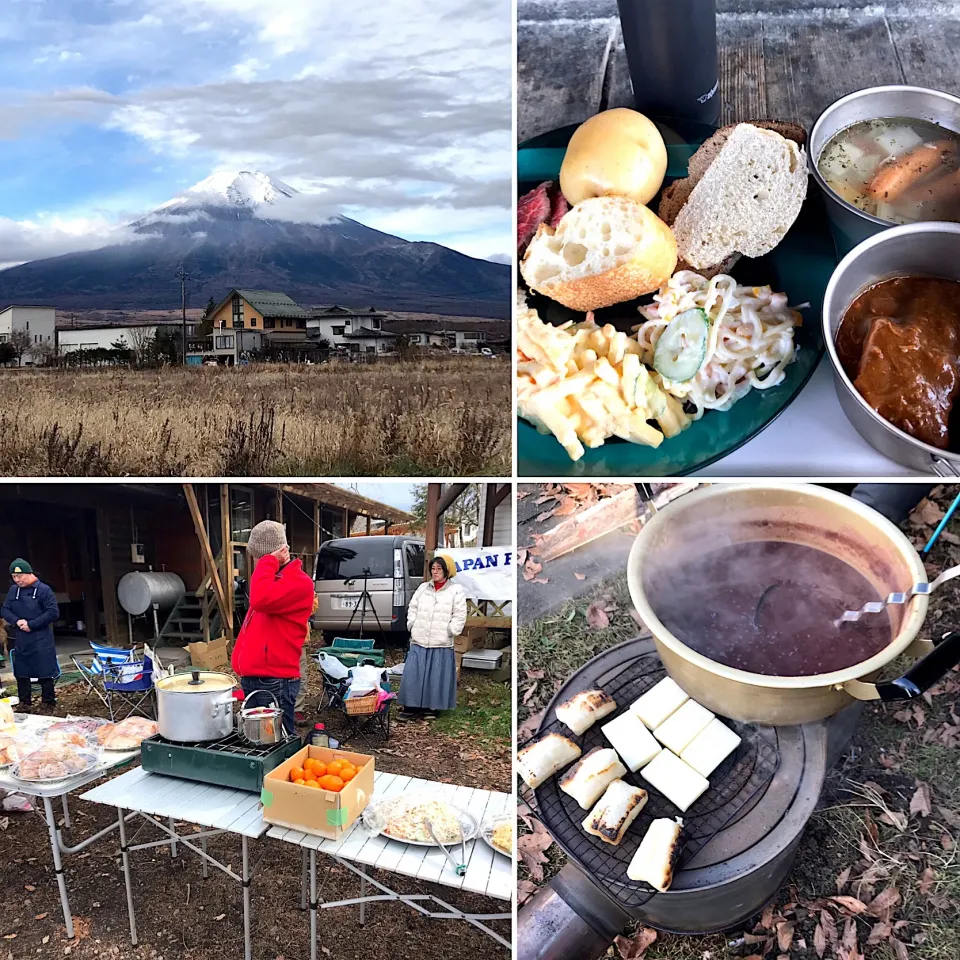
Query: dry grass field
[448,417]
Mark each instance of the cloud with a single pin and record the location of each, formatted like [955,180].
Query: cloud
[50,236]
[393,114]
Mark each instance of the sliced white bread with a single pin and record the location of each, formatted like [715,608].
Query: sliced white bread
[604,251]
[744,189]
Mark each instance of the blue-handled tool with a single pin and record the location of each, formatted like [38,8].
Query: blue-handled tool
[941,525]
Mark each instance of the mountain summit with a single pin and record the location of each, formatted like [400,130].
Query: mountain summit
[244,229]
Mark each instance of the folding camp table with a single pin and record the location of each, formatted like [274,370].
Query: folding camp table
[156,798]
[488,872]
[59,790]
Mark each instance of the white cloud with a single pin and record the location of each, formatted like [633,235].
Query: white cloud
[51,235]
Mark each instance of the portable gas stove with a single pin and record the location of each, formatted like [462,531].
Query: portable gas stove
[741,836]
[229,762]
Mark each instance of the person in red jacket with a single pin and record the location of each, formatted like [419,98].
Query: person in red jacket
[267,652]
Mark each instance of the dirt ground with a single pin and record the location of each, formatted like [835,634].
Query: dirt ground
[877,875]
[182,915]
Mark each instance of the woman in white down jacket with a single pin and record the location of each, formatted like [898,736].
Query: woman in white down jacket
[436,615]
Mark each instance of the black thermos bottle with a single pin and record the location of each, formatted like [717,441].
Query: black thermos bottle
[672,55]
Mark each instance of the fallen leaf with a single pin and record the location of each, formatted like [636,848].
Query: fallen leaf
[926,513]
[530,692]
[29,886]
[46,939]
[531,568]
[9,936]
[848,945]
[880,931]
[766,918]
[920,801]
[631,949]
[842,879]
[852,904]
[530,675]
[819,940]
[580,576]
[539,580]
[597,617]
[883,902]
[220,917]
[829,927]
[785,934]
[567,506]
[546,515]
[525,890]
[531,846]
[40,916]
[926,880]
[899,948]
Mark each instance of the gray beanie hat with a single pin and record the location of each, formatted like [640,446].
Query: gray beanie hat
[265,537]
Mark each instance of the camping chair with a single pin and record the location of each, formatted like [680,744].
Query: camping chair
[128,689]
[351,652]
[366,726]
[92,666]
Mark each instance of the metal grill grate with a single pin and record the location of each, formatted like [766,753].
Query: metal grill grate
[732,786]
[233,744]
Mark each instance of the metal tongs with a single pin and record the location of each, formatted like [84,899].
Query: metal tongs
[460,868]
[917,590]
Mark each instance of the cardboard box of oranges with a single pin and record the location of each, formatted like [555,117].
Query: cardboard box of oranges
[318,790]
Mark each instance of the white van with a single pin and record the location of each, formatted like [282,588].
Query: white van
[393,568]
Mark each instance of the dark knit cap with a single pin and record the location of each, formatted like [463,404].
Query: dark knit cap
[20,566]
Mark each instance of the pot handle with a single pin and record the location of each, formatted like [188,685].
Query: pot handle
[244,708]
[918,678]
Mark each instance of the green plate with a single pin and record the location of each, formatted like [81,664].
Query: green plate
[800,266]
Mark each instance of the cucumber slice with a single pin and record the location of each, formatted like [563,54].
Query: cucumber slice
[682,346]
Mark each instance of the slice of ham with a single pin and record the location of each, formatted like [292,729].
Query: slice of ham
[544,204]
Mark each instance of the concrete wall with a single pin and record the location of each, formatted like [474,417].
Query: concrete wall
[93,338]
[39,322]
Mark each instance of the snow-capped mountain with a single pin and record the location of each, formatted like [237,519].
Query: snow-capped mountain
[246,229]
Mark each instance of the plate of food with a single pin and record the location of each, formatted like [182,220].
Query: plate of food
[127,735]
[54,762]
[498,833]
[404,819]
[672,277]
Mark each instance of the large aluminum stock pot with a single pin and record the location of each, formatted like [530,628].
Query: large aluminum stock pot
[815,517]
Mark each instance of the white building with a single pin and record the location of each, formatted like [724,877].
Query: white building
[94,338]
[350,331]
[38,322]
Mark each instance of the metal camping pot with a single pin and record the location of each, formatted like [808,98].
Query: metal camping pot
[261,725]
[928,249]
[815,517]
[195,706]
[849,224]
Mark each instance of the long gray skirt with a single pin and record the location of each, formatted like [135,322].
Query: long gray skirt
[429,678]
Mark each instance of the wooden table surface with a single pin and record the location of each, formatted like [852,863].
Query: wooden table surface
[779,59]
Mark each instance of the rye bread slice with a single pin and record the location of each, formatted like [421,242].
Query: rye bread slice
[676,195]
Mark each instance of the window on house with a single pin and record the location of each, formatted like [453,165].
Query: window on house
[28,324]
[268,323]
[375,324]
[253,321]
[338,330]
[471,335]
[223,343]
[237,311]
[301,324]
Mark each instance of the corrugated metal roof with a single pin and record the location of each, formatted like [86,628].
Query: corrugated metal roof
[365,333]
[272,303]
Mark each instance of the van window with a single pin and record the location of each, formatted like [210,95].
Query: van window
[345,559]
[415,557]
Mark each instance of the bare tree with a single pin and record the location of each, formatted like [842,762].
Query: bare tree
[22,343]
[141,344]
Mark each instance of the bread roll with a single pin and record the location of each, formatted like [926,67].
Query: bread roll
[584,709]
[604,251]
[617,153]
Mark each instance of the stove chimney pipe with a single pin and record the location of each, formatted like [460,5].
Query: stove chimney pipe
[571,917]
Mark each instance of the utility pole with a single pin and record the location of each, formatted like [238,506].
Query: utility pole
[182,277]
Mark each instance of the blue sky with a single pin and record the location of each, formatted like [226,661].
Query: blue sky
[395,493]
[397,115]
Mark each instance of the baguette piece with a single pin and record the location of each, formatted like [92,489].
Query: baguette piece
[604,251]
[716,214]
[539,761]
[584,709]
[658,851]
[619,806]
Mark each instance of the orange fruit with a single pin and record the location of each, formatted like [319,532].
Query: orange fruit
[296,773]
[299,781]
[334,766]
[311,778]
[334,783]
[313,783]
[319,768]
[310,763]
[347,774]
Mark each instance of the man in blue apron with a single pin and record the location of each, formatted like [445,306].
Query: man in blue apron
[30,611]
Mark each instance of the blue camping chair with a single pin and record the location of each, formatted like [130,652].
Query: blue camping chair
[128,689]
[101,665]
